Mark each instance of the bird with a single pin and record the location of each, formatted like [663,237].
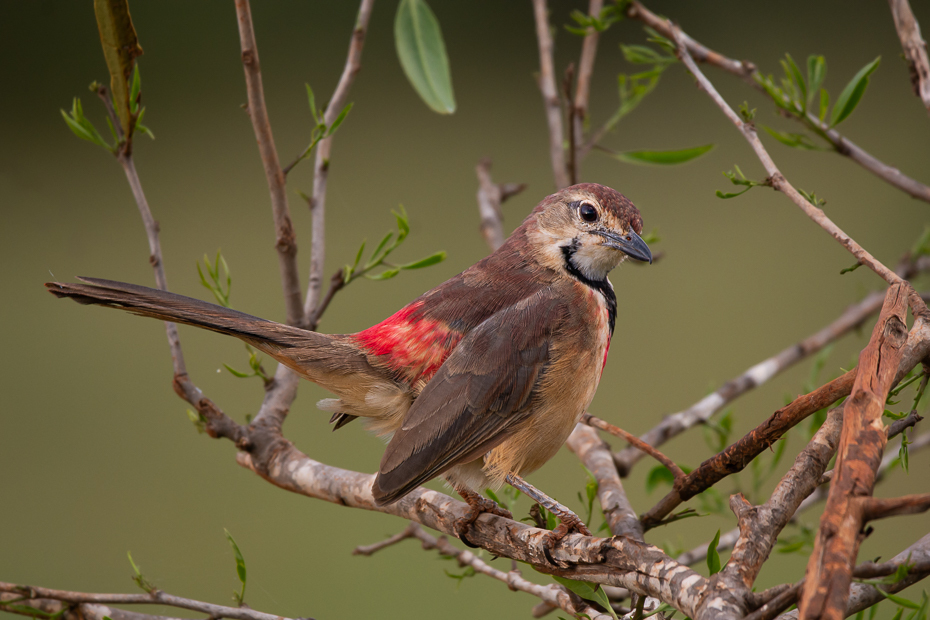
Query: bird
[479,380]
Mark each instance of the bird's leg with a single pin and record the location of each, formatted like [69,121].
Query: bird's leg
[568,520]
[478,504]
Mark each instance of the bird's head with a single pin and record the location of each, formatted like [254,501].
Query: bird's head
[588,229]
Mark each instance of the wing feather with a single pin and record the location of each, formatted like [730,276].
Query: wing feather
[484,388]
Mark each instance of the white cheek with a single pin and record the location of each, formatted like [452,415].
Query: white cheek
[595,262]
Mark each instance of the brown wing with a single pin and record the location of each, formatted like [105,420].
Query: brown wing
[481,391]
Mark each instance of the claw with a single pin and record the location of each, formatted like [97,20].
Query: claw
[478,504]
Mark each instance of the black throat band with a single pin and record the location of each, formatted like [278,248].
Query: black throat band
[601,286]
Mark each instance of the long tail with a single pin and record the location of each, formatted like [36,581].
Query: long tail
[267,336]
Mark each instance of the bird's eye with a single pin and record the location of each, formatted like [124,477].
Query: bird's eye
[587,212]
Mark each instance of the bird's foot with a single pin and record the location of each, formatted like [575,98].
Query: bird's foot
[478,504]
[568,520]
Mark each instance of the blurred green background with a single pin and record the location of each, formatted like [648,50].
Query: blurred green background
[97,454]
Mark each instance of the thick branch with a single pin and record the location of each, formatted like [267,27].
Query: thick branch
[616,561]
[595,455]
[915,48]
[863,439]
[285,238]
[748,73]
[738,455]
[550,94]
[321,164]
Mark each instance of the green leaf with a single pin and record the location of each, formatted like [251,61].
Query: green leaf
[816,72]
[135,90]
[358,256]
[342,116]
[403,224]
[713,558]
[824,103]
[240,564]
[794,140]
[642,55]
[587,591]
[422,55]
[375,255]
[727,195]
[387,274]
[236,373]
[432,259]
[120,49]
[662,158]
[798,80]
[658,475]
[852,94]
[901,601]
[311,100]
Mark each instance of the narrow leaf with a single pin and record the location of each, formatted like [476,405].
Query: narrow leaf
[587,591]
[312,101]
[662,158]
[387,274]
[798,80]
[422,54]
[432,259]
[794,140]
[240,561]
[658,475]
[135,90]
[728,195]
[342,116]
[235,372]
[816,72]
[713,558]
[824,103]
[120,49]
[852,94]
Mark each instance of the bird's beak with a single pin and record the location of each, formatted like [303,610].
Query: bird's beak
[629,243]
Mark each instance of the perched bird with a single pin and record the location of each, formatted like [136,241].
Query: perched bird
[479,380]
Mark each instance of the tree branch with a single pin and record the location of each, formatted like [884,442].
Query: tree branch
[863,439]
[915,48]
[595,455]
[321,166]
[551,594]
[583,86]
[285,238]
[776,179]
[491,196]
[550,94]
[156,597]
[748,73]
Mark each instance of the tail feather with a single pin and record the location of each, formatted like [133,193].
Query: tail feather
[266,335]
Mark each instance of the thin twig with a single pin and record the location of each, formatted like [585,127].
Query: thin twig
[156,597]
[583,87]
[407,532]
[747,72]
[635,442]
[775,177]
[915,48]
[573,138]
[491,196]
[321,164]
[285,237]
[550,94]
